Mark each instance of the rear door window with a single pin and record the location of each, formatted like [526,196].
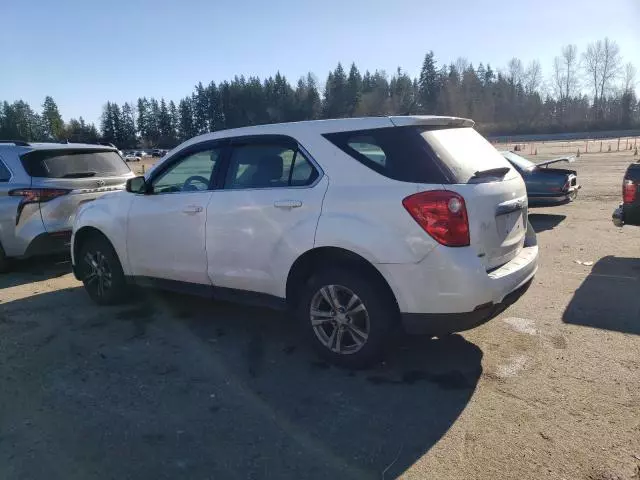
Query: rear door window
[74,163]
[268,165]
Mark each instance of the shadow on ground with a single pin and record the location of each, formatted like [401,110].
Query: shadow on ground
[543,221]
[35,269]
[608,298]
[180,387]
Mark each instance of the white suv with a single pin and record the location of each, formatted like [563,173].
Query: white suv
[357,225]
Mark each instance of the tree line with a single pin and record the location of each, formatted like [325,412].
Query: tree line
[592,90]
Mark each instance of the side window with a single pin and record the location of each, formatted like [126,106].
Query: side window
[5,174]
[190,174]
[268,166]
[366,145]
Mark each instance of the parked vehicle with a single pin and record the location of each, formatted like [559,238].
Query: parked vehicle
[546,186]
[356,225]
[41,186]
[130,157]
[628,212]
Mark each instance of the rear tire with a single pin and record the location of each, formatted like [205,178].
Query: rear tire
[101,271]
[347,317]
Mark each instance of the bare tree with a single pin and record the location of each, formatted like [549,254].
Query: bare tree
[565,73]
[602,63]
[629,82]
[461,65]
[533,77]
[515,71]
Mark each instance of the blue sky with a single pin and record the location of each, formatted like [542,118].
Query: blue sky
[84,53]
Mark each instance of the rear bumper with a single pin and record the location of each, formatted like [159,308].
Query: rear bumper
[450,290]
[443,323]
[554,200]
[48,243]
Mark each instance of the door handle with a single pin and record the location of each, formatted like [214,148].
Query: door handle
[192,209]
[287,204]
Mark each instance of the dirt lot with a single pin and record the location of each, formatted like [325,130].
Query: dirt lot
[177,387]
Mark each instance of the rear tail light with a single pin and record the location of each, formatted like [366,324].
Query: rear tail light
[35,195]
[566,186]
[442,214]
[629,190]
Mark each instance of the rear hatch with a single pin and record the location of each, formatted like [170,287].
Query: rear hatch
[494,193]
[67,178]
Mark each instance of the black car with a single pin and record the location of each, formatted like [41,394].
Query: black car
[628,213]
[546,186]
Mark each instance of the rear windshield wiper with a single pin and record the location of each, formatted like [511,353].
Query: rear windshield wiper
[492,172]
[79,175]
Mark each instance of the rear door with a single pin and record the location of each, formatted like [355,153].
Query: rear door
[266,215]
[494,192]
[72,177]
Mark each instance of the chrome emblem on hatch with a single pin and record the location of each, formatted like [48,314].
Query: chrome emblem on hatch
[100,183]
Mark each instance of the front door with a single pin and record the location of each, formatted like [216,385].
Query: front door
[166,229]
[264,217]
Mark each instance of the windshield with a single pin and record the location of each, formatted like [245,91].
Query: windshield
[74,163]
[520,162]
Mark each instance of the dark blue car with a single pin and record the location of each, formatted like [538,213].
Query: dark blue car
[546,186]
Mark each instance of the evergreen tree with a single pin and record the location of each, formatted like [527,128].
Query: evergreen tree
[186,129]
[175,122]
[428,84]
[143,118]
[128,139]
[335,96]
[164,126]
[53,124]
[106,124]
[200,102]
[353,90]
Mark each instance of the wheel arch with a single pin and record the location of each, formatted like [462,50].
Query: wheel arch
[329,257]
[80,237]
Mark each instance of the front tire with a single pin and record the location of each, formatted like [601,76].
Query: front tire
[347,317]
[101,271]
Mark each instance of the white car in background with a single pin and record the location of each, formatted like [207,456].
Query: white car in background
[130,157]
[359,226]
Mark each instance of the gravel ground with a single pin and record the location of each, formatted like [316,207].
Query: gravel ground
[179,387]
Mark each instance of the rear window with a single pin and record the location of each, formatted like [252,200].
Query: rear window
[464,151]
[399,153]
[421,154]
[74,163]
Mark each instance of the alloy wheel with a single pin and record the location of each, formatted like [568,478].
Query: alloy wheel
[339,319]
[98,273]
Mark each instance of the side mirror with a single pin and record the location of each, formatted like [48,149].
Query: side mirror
[136,185]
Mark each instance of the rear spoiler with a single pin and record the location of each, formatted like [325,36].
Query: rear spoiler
[546,164]
[431,120]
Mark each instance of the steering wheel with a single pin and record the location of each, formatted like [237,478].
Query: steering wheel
[187,183]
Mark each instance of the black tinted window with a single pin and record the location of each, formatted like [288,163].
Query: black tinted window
[5,174]
[74,163]
[268,166]
[399,153]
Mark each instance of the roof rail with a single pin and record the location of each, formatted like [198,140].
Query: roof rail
[107,144]
[19,143]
